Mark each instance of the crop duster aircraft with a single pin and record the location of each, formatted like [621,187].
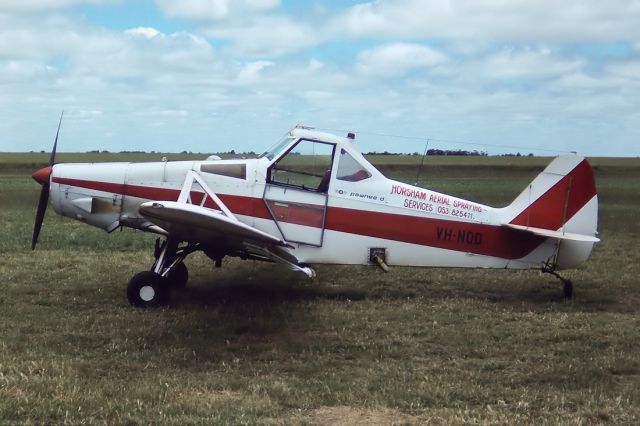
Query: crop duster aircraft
[313,198]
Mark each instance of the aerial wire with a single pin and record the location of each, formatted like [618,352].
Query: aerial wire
[451,141]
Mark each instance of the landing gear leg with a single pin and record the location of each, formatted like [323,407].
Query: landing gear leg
[151,288]
[567,284]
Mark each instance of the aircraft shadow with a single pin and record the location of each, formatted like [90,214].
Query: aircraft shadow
[240,308]
[267,292]
[253,313]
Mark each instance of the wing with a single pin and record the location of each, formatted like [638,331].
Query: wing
[200,224]
[189,222]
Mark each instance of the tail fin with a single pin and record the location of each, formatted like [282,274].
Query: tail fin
[560,203]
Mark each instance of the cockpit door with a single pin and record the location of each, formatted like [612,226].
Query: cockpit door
[296,191]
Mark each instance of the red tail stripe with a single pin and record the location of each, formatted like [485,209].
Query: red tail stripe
[548,211]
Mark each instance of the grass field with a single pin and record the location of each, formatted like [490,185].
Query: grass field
[253,343]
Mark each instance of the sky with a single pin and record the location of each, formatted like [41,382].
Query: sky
[207,76]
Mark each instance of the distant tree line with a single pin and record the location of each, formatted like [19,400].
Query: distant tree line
[457,152]
[452,152]
[517,155]
[232,152]
[430,152]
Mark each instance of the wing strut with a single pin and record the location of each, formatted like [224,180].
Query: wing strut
[185,193]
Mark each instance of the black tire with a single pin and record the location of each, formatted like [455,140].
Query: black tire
[147,290]
[568,290]
[179,276]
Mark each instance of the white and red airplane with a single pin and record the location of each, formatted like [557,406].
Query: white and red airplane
[314,199]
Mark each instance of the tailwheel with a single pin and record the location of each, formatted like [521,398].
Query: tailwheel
[147,289]
[567,285]
[178,276]
[568,289]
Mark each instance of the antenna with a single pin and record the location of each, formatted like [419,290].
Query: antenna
[422,162]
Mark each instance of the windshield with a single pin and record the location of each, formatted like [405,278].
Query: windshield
[307,165]
[275,150]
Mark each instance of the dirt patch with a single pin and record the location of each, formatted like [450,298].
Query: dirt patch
[344,415]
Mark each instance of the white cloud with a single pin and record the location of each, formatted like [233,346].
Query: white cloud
[627,69]
[527,63]
[251,72]
[397,59]
[523,20]
[262,4]
[315,65]
[214,10]
[197,10]
[32,6]
[253,27]
[582,82]
[265,36]
[21,70]
[146,32]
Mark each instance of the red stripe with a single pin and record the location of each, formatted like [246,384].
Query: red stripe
[548,211]
[237,204]
[473,238]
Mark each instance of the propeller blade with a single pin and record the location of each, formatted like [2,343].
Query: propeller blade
[43,176]
[42,208]
[52,158]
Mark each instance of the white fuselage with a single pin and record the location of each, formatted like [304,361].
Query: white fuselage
[415,226]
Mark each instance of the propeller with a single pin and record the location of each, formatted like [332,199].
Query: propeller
[43,177]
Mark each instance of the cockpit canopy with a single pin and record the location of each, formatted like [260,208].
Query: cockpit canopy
[307,160]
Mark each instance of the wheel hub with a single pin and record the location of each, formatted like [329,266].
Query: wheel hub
[147,293]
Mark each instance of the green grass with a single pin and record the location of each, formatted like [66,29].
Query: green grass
[253,343]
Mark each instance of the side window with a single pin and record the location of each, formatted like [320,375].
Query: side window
[307,165]
[349,169]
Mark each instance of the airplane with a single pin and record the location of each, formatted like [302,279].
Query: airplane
[313,198]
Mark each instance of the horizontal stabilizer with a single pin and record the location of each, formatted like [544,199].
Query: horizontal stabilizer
[554,234]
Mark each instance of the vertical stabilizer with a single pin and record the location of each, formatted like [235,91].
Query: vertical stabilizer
[562,198]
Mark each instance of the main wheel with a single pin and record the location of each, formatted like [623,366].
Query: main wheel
[147,289]
[179,276]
